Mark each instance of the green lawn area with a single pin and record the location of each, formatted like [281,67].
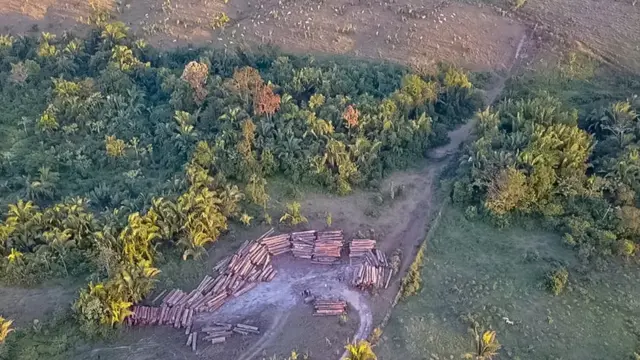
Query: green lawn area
[475,272]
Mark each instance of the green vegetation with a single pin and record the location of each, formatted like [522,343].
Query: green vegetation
[220,21]
[557,280]
[411,282]
[487,345]
[360,351]
[5,329]
[576,171]
[293,216]
[479,276]
[116,156]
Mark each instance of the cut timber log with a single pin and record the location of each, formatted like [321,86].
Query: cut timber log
[217,334]
[159,296]
[329,307]
[358,247]
[218,340]
[240,331]
[248,327]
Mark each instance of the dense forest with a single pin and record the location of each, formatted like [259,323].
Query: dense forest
[114,151]
[576,169]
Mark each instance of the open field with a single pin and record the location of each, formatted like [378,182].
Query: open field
[476,34]
[417,33]
[475,272]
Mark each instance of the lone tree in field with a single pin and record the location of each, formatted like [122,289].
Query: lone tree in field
[487,345]
[293,216]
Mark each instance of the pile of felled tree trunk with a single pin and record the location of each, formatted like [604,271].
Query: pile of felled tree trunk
[278,244]
[327,247]
[329,307]
[218,333]
[302,243]
[373,272]
[238,274]
[359,247]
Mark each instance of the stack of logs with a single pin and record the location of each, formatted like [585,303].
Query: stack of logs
[302,243]
[326,249]
[219,332]
[358,247]
[329,307]
[242,272]
[237,275]
[374,272]
[277,245]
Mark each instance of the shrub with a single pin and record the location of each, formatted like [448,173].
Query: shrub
[375,335]
[412,281]
[293,215]
[471,212]
[360,351]
[487,345]
[5,328]
[557,280]
[343,319]
[627,247]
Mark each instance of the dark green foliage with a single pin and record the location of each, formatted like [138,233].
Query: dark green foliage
[577,170]
[412,281]
[556,280]
[113,152]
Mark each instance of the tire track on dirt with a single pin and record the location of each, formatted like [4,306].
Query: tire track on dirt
[267,337]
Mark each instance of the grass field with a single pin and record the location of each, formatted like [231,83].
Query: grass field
[475,272]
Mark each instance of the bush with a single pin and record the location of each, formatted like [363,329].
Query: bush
[412,281]
[471,212]
[557,280]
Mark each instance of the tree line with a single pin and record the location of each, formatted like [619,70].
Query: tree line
[579,174]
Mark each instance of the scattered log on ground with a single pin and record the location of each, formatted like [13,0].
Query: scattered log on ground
[329,307]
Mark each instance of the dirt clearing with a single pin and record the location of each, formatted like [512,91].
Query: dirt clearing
[410,32]
[27,305]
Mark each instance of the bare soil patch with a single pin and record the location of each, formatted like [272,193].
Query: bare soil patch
[407,31]
[610,29]
[25,305]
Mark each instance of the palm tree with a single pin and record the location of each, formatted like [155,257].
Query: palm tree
[360,351]
[293,215]
[5,328]
[119,310]
[44,186]
[60,242]
[136,280]
[25,221]
[114,32]
[487,345]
